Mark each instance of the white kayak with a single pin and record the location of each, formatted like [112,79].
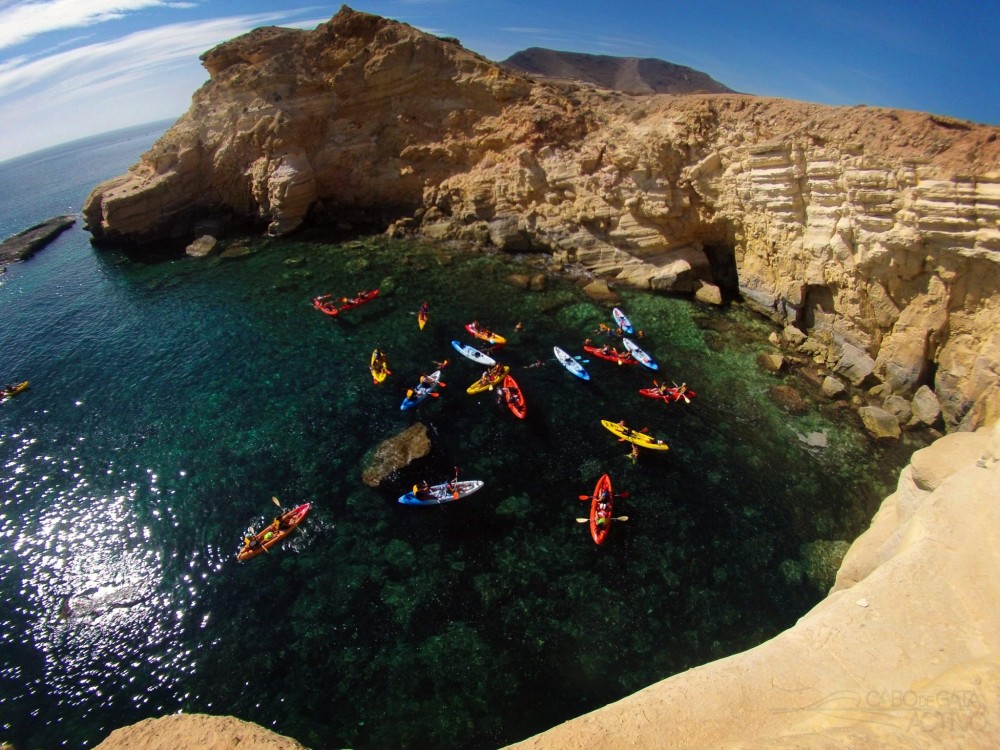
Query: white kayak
[442,493]
[571,364]
[640,356]
[623,322]
[422,391]
[474,354]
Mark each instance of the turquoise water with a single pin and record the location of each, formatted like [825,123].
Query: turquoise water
[170,402]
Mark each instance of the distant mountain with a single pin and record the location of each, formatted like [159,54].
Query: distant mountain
[632,75]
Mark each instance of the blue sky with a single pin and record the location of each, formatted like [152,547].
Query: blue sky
[72,68]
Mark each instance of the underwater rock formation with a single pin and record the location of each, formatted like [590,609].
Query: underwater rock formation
[395,453]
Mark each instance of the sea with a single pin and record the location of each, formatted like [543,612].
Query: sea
[174,404]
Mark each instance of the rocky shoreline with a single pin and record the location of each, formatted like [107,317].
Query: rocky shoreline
[25,244]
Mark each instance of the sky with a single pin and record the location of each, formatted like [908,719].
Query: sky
[75,68]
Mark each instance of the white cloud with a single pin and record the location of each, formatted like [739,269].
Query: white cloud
[98,87]
[22,21]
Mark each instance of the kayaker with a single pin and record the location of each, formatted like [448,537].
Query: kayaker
[421,490]
[451,485]
[439,365]
[426,380]
[519,327]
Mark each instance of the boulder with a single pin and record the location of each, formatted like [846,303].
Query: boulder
[793,335]
[931,467]
[709,294]
[854,364]
[833,388]
[771,362]
[202,246]
[395,453]
[599,291]
[879,423]
[899,407]
[925,406]
[789,399]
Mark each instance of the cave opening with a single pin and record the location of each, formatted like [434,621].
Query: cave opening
[722,262]
[817,305]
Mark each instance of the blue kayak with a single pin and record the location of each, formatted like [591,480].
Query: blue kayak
[422,391]
[474,354]
[442,493]
[571,364]
[639,355]
[623,322]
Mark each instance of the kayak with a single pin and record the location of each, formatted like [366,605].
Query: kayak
[439,494]
[613,355]
[514,398]
[602,490]
[487,382]
[422,316]
[13,390]
[623,322]
[570,364]
[270,536]
[326,304]
[639,438]
[421,392]
[669,395]
[640,355]
[380,370]
[474,354]
[485,334]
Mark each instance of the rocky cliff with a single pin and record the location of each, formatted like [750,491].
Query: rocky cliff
[875,232]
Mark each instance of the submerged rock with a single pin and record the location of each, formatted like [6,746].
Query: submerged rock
[25,244]
[395,453]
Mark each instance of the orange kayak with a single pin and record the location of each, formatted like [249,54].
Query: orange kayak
[601,507]
[270,536]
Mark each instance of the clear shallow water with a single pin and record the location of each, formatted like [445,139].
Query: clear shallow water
[169,402]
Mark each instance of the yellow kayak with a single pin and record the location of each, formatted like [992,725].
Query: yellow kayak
[639,438]
[12,390]
[380,371]
[486,383]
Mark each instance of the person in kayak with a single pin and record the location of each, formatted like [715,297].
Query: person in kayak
[378,362]
[452,484]
[421,490]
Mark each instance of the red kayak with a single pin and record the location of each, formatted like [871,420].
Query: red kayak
[611,355]
[514,398]
[325,303]
[670,395]
[601,507]
[263,540]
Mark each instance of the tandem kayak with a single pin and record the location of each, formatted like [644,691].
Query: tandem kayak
[424,389]
[326,304]
[474,354]
[514,398]
[489,380]
[601,507]
[439,494]
[611,355]
[570,364]
[485,334]
[622,320]
[669,395]
[641,357]
[13,389]
[379,369]
[273,533]
[639,438]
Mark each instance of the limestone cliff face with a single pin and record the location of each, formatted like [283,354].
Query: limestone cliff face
[877,232]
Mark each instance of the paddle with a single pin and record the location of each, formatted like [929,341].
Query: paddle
[619,518]
[686,399]
[617,494]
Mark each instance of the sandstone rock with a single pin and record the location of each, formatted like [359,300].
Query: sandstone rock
[395,453]
[925,406]
[196,730]
[201,247]
[932,465]
[771,362]
[833,388]
[899,407]
[507,233]
[240,250]
[854,364]
[879,423]
[599,291]
[709,294]
[793,335]
[788,399]
[25,244]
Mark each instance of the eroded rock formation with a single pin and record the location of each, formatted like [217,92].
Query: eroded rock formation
[876,232]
